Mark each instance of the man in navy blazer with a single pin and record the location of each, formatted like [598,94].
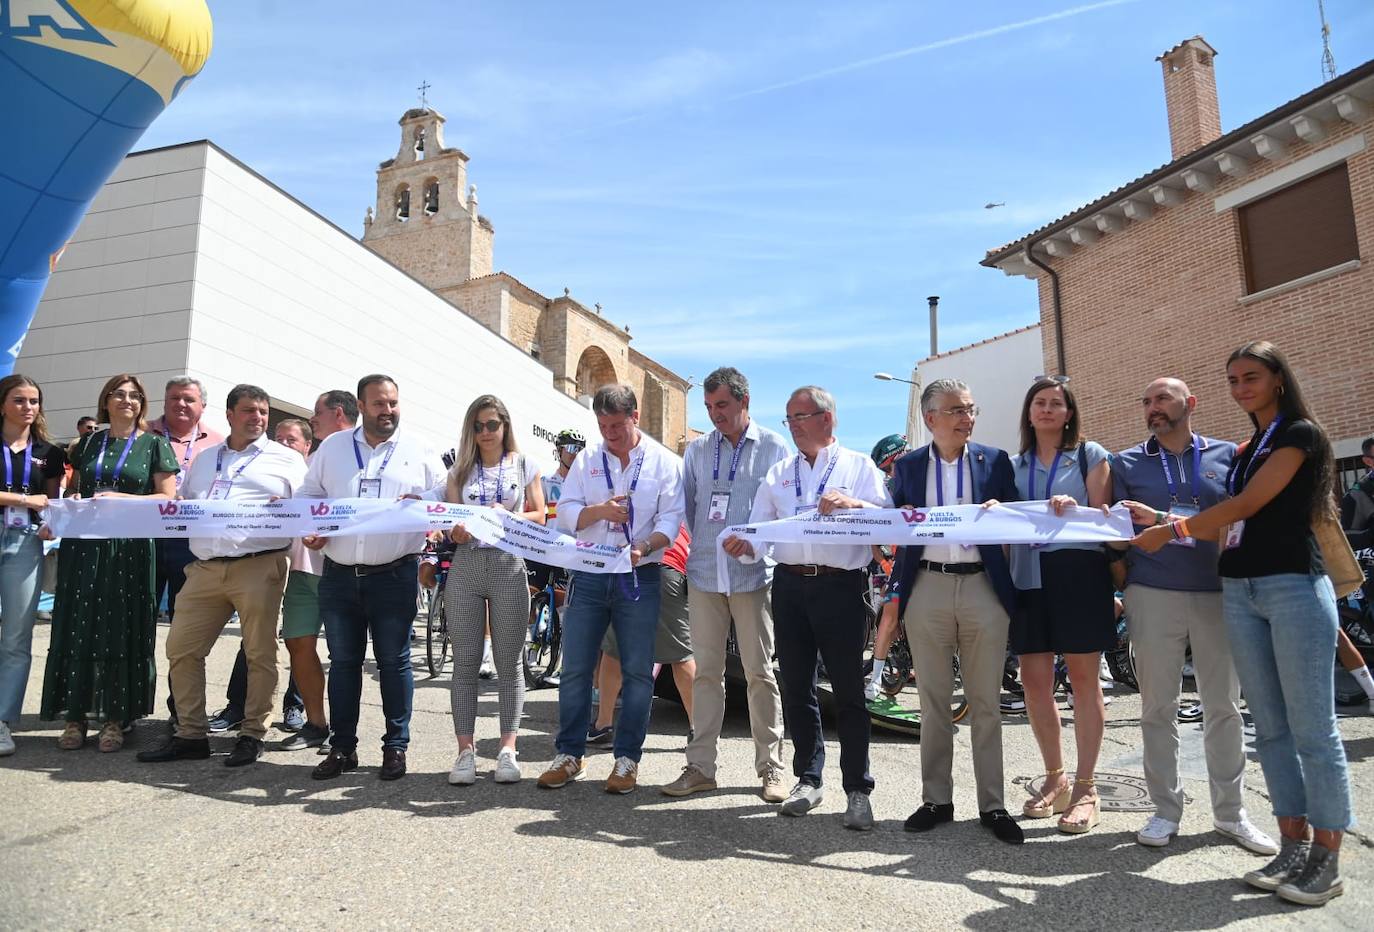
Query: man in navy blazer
[956,600]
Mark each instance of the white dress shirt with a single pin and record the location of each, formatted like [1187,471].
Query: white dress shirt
[854,474]
[657,497]
[303,559]
[949,478]
[413,469]
[258,472]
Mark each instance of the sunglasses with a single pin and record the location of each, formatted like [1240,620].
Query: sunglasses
[1061,379]
[491,426]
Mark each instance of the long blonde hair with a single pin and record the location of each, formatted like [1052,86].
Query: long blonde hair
[467,446]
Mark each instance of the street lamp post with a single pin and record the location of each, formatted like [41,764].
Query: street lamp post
[915,425]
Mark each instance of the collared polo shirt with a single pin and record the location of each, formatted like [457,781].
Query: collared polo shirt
[259,471]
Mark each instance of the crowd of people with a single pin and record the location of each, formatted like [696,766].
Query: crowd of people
[1225,563]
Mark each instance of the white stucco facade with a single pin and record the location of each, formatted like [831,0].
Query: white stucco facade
[189,262]
[998,372]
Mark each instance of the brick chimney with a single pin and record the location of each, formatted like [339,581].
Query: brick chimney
[1190,94]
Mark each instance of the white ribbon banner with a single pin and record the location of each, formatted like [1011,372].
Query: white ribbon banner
[1012,523]
[100,518]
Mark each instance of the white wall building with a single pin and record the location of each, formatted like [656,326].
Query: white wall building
[998,371]
[190,262]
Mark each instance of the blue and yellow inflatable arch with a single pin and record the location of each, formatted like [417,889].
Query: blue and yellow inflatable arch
[80,80]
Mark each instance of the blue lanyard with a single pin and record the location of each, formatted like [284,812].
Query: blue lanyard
[28,468]
[185,460]
[734,458]
[219,462]
[119,464]
[482,479]
[633,592]
[1197,473]
[1034,458]
[358,455]
[1259,450]
[940,479]
[820,489]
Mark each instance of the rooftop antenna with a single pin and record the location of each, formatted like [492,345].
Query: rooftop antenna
[1328,61]
[424,91]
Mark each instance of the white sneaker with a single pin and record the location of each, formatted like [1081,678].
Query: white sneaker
[1157,832]
[6,740]
[1244,833]
[871,689]
[464,772]
[803,798]
[507,767]
[1106,700]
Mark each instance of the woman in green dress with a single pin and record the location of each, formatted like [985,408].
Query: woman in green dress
[101,661]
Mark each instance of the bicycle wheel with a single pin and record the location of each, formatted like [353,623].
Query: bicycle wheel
[897,670]
[1121,662]
[436,636]
[959,705]
[542,641]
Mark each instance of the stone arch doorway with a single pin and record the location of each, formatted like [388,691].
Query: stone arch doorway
[594,369]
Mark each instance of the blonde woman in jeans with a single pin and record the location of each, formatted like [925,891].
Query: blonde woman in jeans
[1280,613]
[486,585]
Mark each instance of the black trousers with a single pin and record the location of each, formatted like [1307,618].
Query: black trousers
[236,695]
[823,615]
[173,556]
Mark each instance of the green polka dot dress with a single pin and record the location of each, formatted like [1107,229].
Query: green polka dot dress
[101,661]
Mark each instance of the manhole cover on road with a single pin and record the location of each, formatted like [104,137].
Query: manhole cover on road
[1120,792]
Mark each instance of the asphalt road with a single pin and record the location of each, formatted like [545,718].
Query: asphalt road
[102,841]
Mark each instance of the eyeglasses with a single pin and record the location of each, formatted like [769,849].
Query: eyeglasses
[572,447]
[491,426]
[1061,379]
[798,419]
[121,395]
[969,411]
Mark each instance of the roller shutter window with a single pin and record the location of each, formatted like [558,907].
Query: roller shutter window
[1303,228]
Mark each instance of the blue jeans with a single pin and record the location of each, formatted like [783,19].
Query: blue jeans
[21,562]
[382,604]
[596,600]
[1283,637]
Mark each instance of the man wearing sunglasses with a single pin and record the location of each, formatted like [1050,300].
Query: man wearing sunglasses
[625,490]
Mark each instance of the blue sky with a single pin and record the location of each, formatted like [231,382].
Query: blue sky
[775,186]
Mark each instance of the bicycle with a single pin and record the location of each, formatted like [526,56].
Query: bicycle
[544,639]
[436,624]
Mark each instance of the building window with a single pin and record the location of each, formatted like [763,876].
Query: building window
[1303,228]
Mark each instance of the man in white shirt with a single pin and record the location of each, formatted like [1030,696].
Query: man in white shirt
[369,584]
[956,600]
[231,574]
[817,598]
[625,490]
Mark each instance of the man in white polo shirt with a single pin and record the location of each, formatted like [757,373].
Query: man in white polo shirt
[818,601]
[231,574]
[370,583]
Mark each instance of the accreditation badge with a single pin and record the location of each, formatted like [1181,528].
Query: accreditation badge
[719,505]
[369,488]
[16,517]
[1234,534]
[1183,511]
[219,489]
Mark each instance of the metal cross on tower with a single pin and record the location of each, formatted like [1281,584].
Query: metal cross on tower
[424,98]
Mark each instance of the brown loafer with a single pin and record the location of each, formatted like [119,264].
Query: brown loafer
[335,764]
[393,764]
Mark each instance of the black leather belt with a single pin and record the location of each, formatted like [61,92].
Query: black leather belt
[811,569]
[370,569]
[246,556]
[952,569]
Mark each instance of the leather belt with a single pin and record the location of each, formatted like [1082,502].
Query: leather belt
[371,569]
[245,556]
[952,569]
[811,569]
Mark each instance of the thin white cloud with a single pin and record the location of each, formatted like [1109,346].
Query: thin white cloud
[928,47]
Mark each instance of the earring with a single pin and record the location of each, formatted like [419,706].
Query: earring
[1280,391]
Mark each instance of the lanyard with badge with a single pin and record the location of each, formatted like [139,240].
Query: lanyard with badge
[100,484]
[18,516]
[1175,506]
[1049,477]
[482,480]
[720,497]
[633,592]
[820,489]
[219,488]
[1237,528]
[370,487]
[185,460]
[959,484]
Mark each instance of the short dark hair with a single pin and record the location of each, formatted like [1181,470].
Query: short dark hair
[614,399]
[729,377]
[244,390]
[375,378]
[86,417]
[343,399]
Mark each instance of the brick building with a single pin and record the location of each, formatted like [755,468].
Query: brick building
[427,223]
[1251,234]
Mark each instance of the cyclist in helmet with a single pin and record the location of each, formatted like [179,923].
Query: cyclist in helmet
[885,455]
[566,446]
